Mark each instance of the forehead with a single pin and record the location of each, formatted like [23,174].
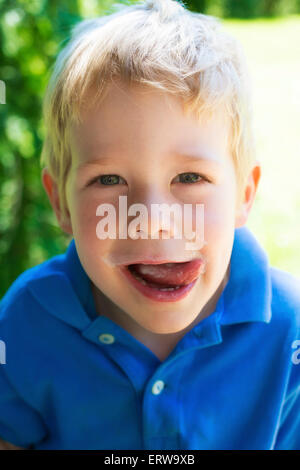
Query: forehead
[136,119]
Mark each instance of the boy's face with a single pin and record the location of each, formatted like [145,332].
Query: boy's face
[144,135]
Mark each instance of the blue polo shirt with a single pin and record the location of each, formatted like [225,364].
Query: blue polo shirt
[73,379]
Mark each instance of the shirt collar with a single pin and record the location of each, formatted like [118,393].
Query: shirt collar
[64,288]
[247,295]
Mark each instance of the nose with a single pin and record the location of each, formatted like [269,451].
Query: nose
[156,214]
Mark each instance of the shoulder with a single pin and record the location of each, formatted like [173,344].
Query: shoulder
[28,325]
[52,295]
[286,322]
[19,291]
[285,296]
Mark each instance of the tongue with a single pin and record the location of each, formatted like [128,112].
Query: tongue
[169,273]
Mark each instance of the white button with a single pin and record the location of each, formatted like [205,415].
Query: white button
[158,387]
[106,338]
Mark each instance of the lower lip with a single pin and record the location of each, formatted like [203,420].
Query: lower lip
[156,294]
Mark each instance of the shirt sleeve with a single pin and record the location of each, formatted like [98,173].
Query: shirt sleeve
[20,424]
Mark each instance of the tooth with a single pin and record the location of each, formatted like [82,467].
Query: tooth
[168,288]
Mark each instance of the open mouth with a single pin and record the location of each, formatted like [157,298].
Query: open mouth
[155,285]
[165,282]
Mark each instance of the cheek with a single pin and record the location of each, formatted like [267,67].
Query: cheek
[220,206]
[216,214]
[84,218]
[219,213]
[91,249]
[85,221]
[219,218]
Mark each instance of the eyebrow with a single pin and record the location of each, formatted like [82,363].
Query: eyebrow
[99,160]
[187,157]
[190,158]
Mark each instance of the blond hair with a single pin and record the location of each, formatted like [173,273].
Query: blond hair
[157,43]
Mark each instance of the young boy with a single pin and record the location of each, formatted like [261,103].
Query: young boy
[187,348]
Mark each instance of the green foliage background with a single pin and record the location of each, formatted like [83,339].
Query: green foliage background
[31,34]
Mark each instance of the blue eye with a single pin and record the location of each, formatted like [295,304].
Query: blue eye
[190,178]
[113,180]
[108,180]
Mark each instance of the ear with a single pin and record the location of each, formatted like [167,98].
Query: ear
[248,196]
[52,192]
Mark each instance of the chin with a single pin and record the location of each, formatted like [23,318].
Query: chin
[166,326]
